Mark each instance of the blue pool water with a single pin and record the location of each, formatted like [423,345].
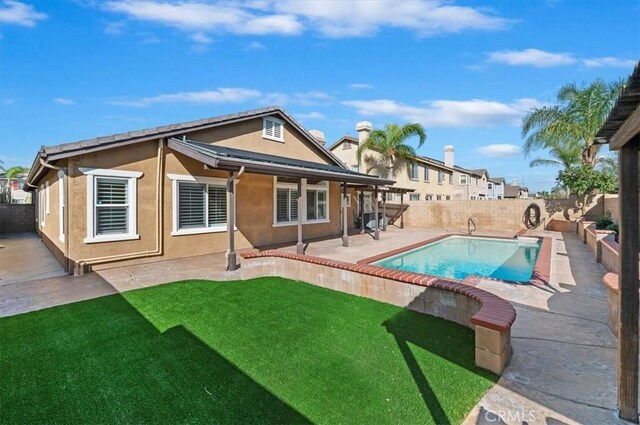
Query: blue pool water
[459,256]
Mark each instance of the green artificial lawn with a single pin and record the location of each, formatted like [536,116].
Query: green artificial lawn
[268,350]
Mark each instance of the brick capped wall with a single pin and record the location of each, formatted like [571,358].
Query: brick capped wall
[17,218]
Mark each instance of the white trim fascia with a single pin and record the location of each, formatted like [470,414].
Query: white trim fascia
[107,172]
[111,238]
[199,179]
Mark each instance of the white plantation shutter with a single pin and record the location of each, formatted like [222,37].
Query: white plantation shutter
[286,205]
[273,129]
[322,204]
[112,206]
[191,205]
[217,205]
[293,213]
[312,211]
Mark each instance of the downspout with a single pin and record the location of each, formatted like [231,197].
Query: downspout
[65,219]
[81,264]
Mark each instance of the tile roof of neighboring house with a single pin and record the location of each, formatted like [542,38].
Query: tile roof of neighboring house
[526,189]
[344,138]
[52,153]
[230,158]
[497,179]
[511,191]
[481,171]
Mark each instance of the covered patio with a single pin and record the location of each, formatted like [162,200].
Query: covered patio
[236,162]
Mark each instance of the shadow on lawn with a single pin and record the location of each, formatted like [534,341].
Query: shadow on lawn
[431,337]
[82,376]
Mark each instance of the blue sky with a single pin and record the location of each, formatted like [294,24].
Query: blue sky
[468,71]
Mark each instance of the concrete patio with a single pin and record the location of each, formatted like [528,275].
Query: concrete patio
[563,369]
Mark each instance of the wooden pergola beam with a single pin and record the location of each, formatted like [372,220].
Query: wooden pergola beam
[628,282]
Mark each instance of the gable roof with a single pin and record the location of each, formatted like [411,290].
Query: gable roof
[221,157]
[480,172]
[346,137]
[56,152]
[498,180]
[511,191]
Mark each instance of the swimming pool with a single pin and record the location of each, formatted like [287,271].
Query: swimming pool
[457,257]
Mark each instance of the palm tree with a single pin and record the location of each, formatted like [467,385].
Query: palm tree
[391,148]
[16,171]
[562,156]
[576,118]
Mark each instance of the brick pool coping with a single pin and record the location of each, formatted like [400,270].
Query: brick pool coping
[541,270]
[495,313]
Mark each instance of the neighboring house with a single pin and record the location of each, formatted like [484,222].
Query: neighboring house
[429,178]
[467,184]
[514,191]
[15,184]
[176,191]
[495,188]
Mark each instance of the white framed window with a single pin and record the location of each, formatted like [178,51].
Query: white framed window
[41,205]
[426,173]
[477,182]
[450,178]
[414,171]
[346,146]
[414,197]
[315,202]
[438,197]
[463,179]
[111,205]
[273,129]
[355,168]
[61,205]
[490,186]
[447,198]
[199,204]
[428,197]
[440,176]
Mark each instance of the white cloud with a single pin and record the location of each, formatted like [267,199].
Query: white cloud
[314,115]
[608,61]
[499,150]
[114,28]
[255,45]
[18,13]
[221,95]
[331,18]
[310,98]
[63,101]
[448,113]
[531,57]
[199,16]
[360,86]
[201,38]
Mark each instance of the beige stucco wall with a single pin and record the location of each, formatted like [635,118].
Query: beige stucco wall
[471,189]
[505,214]
[254,198]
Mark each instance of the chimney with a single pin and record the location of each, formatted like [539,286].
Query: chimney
[448,155]
[318,135]
[363,128]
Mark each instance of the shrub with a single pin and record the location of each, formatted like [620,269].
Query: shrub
[603,222]
[615,228]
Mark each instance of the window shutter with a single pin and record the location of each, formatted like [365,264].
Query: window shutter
[277,130]
[311,205]
[268,128]
[112,211]
[294,205]
[217,205]
[282,201]
[322,205]
[191,205]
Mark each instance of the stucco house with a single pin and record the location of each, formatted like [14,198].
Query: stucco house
[495,188]
[249,179]
[428,179]
[14,186]
[467,184]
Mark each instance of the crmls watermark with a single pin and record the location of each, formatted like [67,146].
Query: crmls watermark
[510,416]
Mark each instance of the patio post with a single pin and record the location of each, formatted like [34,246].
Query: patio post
[345,231]
[628,282]
[362,212]
[376,233]
[402,210]
[384,212]
[231,223]
[300,245]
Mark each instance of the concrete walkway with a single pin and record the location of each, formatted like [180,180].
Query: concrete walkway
[563,369]
[24,257]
